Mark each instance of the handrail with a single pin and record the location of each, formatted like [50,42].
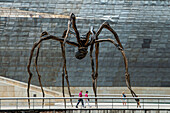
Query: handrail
[9,98]
[55,103]
[149,95]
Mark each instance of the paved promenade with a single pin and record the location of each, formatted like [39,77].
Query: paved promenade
[114,106]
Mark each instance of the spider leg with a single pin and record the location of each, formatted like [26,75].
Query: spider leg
[65,70]
[94,77]
[71,32]
[87,35]
[120,47]
[36,59]
[96,72]
[65,35]
[93,72]
[67,31]
[29,72]
[39,76]
[46,37]
[29,80]
[73,21]
[107,26]
[63,86]
[127,76]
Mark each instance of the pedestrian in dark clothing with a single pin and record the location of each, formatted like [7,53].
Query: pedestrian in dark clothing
[80,100]
[138,103]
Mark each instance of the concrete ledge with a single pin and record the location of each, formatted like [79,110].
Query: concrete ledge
[141,91]
[14,88]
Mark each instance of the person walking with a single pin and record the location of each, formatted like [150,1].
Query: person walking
[86,100]
[80,100]
[123,100]
[138,103]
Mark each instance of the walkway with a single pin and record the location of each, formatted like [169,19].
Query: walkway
[110,103]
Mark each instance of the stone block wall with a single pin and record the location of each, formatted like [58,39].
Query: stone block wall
[142,26]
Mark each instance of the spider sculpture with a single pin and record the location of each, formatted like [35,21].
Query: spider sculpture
[90,39]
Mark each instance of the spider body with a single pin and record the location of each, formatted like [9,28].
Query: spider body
[81,53]
[82,50]
[91,40]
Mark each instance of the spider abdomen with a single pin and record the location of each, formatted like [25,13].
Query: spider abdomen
[81,53]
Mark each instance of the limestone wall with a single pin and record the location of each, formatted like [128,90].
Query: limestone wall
[143,28]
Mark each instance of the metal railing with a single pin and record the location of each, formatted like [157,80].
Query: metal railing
[129,95]
[21,103]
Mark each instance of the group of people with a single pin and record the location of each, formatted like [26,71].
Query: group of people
[81,100]
[87,100]
[124,100]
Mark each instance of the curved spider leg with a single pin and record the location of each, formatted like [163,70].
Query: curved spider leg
[96,72]
[87,35]
[93,72]
[48,37]
[91,32]
[96,56]
[120,47]
[65,70]
[94,79]
[63,86]
[73,21]
[36,59]
[30,74]
[39,76]
[127,76]
[107,26]
[67,31]
[65,35]
[91,43]
[71,32]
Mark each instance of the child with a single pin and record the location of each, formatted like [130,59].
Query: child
[123,100]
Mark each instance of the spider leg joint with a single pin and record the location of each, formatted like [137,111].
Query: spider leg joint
[72,16]
[105,23]
[118,46]
[44,33]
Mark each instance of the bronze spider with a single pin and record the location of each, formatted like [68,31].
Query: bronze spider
[83,42]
